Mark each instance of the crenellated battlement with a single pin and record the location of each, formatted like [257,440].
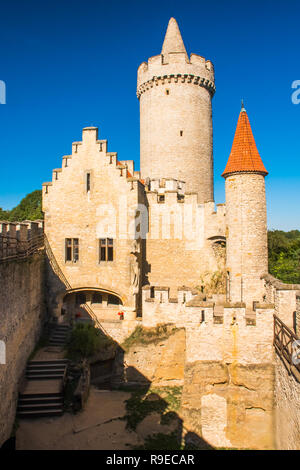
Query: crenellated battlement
[191,307]
[146,83]
[22,231]
[175,68]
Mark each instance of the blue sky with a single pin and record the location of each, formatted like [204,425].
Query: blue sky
[70,64]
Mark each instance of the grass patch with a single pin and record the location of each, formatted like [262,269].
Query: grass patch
[146,336]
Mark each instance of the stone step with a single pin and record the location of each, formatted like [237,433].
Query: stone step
[40,400]
[40,413]
[40,395]
[33,367]
[40,406]
[45,371]
[44,377]
[56,361]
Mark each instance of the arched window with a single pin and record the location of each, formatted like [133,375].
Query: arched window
[113,300]
[97,298]
[80,298]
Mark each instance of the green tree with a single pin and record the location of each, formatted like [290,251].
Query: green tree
[30,208]
[284,255]
[4,215]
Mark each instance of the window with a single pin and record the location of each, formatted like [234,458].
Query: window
[80,298]
[167,92]
[106,249]
[97,298]
[181,133]
[161,198]
[113,300]
[72,249]
[88,182]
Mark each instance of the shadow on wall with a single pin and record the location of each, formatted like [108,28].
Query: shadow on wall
[145,400]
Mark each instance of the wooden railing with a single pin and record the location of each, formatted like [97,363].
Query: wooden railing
[14,249]
[287,346]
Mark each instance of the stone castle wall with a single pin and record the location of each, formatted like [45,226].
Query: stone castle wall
[22,314]
[287,393]
[181,238]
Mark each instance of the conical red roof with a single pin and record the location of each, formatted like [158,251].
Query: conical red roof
[244,156]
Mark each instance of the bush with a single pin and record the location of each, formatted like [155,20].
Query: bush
[85,341]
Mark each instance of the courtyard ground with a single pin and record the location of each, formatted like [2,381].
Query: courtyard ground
[98,427]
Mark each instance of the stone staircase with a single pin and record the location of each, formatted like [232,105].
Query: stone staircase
[43,393]
[59,336]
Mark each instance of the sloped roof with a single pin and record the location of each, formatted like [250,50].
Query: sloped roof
[244,156]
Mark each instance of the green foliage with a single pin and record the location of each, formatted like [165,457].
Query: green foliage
[4,215]
[30,208]
[284,255]
[148,335]
[143,401]
[85,341]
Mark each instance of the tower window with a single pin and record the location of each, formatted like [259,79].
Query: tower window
[167,92]
[106,249]
[88,182]
[181,133]
[161,198]
[72,249]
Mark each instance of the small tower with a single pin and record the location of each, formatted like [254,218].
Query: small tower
[175,94]
[246,217]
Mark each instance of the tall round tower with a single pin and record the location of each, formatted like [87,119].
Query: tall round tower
[175,94]
[246,217]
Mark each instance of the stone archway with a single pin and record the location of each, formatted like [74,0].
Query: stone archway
[84,304]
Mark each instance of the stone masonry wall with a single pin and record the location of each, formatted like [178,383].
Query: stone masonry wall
[287,393]
[159,362]
[22,314]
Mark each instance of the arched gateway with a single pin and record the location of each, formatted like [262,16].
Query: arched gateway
[85,304]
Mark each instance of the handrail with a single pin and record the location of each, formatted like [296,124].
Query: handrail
[54,264]
[287,346]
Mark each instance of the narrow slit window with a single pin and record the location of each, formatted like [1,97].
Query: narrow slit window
[181,133]
[88,182]
[167,92]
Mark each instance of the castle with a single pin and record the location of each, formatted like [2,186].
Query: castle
[129,247]
[115,231]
